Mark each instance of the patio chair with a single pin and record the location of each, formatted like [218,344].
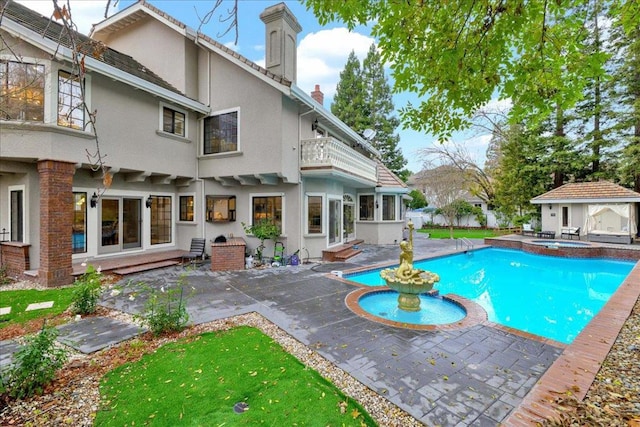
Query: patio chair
[196,251]
[570,233]
[527,230]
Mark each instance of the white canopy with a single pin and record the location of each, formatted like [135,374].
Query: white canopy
[624,210]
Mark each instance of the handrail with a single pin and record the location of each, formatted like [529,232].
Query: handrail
[464,242]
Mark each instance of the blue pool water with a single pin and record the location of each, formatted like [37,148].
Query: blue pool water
[433,310]
[553,297]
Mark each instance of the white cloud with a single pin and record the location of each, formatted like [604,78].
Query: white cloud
[322,56]
[83,12]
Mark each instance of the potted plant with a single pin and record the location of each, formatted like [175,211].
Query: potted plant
[263,230]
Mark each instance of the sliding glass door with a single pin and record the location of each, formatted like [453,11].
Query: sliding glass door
[121,224]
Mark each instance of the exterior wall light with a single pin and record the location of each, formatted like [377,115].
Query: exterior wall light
[148,202]
[94,200]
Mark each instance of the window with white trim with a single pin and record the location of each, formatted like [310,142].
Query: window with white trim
[267,207]
[221,133]
[314,214]
[160,219]
[22,91]
[79,226]
[186,205]
[173,121]
[388,207]
[70,104]
[365,207]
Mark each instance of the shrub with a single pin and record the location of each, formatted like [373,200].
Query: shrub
[35,365]
[85,296]
[165,310]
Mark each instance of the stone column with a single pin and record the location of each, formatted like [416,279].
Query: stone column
[56,222]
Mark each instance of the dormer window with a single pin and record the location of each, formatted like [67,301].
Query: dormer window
[21,91]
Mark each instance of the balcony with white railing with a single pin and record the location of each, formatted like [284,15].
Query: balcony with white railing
[330,157]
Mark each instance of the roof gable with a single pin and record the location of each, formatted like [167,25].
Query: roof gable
[54,31]
[577,192]
[138,10]
[29,23]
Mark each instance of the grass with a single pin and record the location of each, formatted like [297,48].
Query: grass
[19,300]
[472,233]
[199,381]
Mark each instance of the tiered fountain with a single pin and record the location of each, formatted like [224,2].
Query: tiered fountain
[409,282]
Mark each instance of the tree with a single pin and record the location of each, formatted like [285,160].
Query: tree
[454,154]
[349,102]
[380,108]
[363,101]
[457,55]
[521,174]
[417,199]
[445,185]
[626,91]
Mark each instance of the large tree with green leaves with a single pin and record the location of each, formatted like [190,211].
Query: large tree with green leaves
[458,55]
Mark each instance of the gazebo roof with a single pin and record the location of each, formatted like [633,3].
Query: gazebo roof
[588,192]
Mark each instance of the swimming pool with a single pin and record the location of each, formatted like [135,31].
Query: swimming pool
[547,296]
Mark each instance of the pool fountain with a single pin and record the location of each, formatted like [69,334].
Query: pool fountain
[409,282]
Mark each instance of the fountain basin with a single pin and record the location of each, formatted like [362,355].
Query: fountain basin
[433,311]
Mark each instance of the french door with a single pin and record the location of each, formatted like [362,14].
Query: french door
[121,224]
[335,221]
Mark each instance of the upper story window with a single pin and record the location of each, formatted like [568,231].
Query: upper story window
[173,121]
[21,91]
[70,104]
[221,133]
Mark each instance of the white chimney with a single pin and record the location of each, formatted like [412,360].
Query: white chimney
[281,34]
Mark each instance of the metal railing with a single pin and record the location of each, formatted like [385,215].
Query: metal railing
[464,243]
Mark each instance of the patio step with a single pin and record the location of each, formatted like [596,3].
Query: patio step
[342,252]
[145,267]
[346,254]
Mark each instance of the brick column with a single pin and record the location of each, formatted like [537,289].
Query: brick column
[56,221]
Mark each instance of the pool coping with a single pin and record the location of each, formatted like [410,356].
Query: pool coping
[577,366]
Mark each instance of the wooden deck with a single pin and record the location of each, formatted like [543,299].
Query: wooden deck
[129,264]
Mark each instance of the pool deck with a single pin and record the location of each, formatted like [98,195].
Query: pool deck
[478,375]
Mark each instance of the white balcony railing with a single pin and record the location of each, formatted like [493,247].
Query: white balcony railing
[323,153]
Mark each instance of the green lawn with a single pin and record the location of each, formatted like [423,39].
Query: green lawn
[19,300]
[473,233]
[199,381]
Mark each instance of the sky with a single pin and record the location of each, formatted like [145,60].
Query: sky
[322,52]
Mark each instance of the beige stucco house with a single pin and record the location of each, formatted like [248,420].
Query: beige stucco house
[198,139]
[603,211]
